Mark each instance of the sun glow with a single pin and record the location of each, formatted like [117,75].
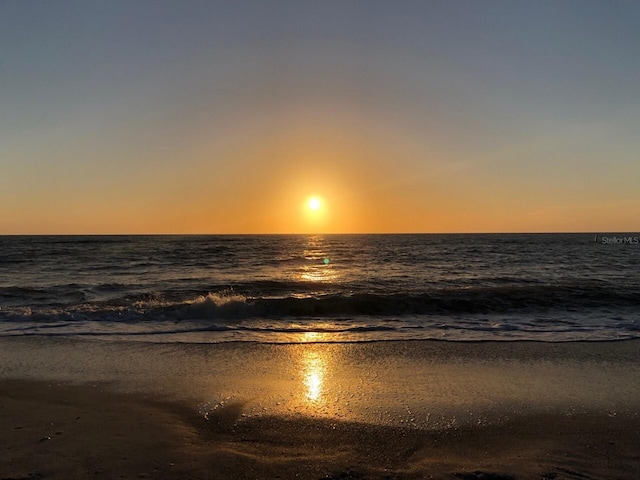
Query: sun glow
[314,203]
[315,214]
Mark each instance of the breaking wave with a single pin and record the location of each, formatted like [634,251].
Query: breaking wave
[229,304]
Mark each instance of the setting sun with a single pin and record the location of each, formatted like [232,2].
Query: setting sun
[315,215]
[314,203]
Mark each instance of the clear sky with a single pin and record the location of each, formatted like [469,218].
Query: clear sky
[401,116]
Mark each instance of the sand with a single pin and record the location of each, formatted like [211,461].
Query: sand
[517,410]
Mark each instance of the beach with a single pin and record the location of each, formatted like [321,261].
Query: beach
[307,240]
[425,409]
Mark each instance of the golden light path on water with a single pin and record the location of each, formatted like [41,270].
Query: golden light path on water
[314,362]
[311,383]
[318,273]
[320,268]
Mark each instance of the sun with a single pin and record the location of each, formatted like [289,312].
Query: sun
[314,204]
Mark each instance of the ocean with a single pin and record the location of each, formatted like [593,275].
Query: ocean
[322,288]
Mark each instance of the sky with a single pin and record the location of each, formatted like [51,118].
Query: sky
[400,116]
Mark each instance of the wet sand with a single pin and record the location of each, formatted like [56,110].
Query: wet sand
[386,410]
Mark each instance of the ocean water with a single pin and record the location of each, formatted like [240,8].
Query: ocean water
[322,288]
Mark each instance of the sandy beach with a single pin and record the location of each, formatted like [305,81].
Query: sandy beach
[516,410]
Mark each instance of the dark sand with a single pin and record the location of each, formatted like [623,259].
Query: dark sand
[472,411]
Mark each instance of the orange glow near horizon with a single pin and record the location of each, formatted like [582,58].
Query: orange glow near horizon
[323,177]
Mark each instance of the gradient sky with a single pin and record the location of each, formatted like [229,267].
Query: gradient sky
[224,117]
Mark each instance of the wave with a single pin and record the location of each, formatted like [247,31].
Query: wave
[440,302]
[230,304]
[501,313]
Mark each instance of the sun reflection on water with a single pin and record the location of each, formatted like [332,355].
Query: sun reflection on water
[318,273]
[320,267]
[314,358]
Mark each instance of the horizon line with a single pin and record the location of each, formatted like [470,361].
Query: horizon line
[559,232]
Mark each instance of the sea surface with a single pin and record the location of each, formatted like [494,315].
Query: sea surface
[322,288]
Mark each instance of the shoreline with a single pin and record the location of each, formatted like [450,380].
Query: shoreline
[403,410]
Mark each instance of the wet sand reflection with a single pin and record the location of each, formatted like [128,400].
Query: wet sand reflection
[313,371]
[315,364]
